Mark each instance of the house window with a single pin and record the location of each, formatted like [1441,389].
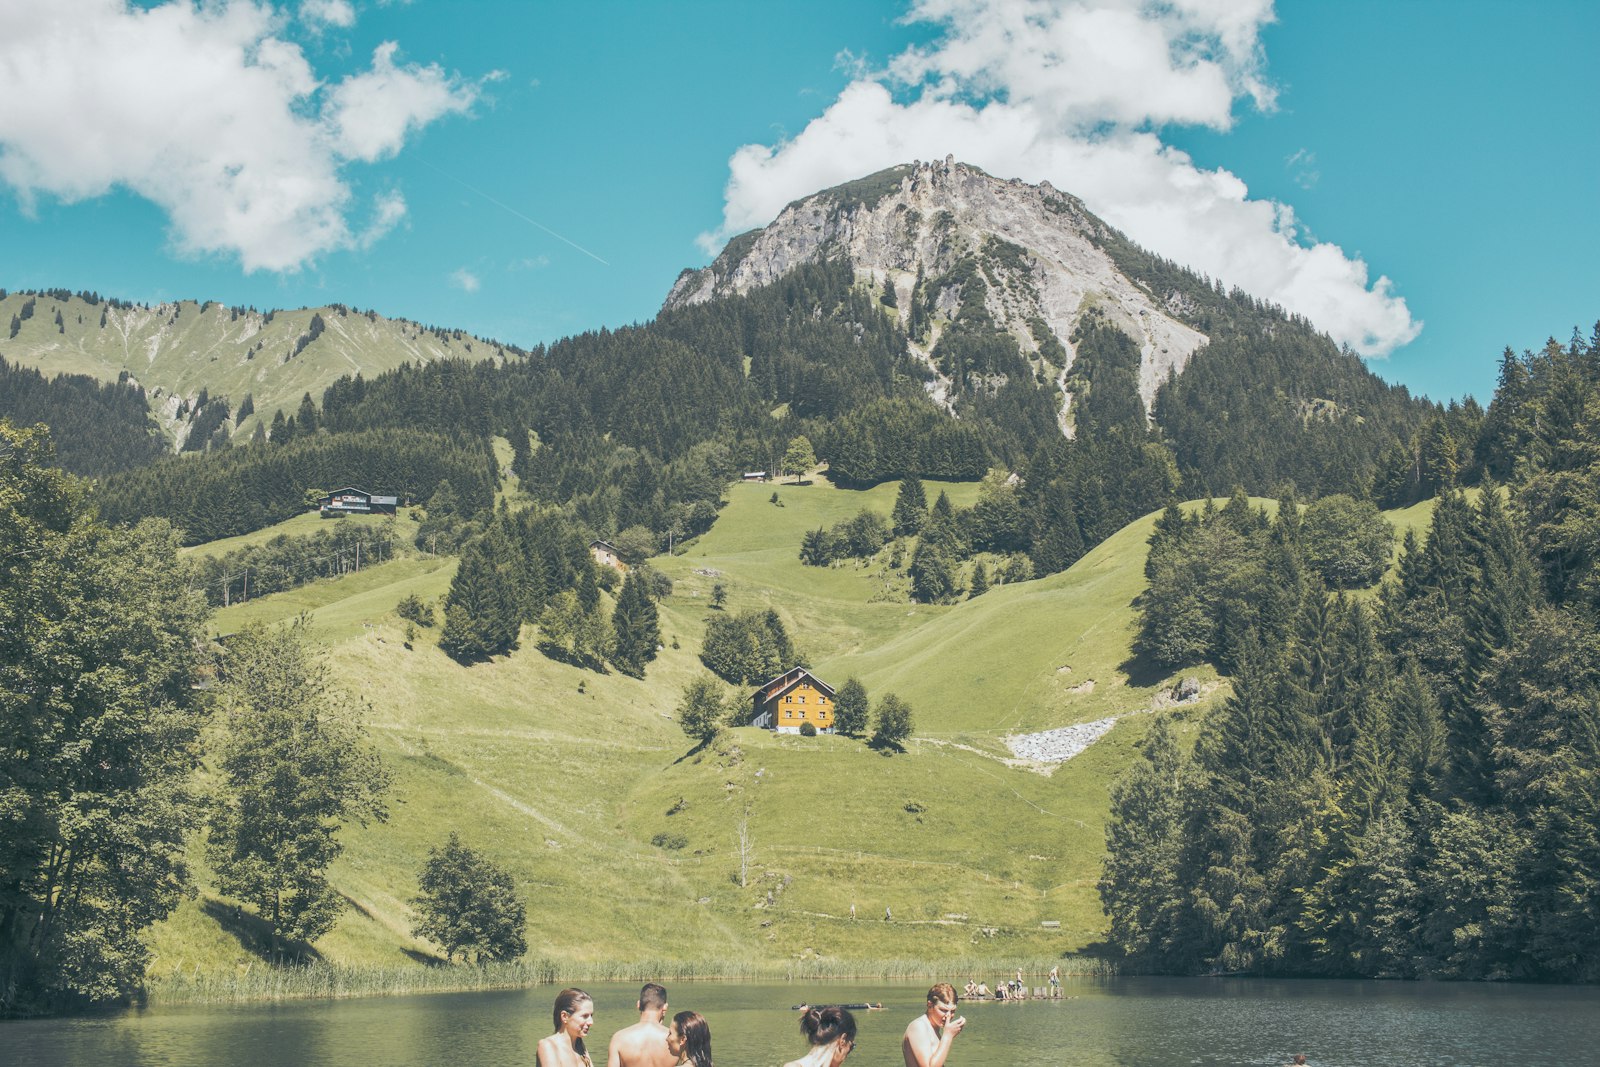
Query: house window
[788,713]
[788,700]
[802,698]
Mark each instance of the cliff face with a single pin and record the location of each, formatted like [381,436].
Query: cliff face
[1030,249]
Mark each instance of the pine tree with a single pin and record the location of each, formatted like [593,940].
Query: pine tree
[306,418]
[482,614]
[910,507]
[980,581]
[1140,885]
[1057,540]
[637,630]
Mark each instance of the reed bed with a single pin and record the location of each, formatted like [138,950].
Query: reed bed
[320,981]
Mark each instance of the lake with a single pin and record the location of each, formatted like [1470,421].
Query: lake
[1127,1022]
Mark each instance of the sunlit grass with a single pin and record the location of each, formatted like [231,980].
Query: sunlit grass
[566,777]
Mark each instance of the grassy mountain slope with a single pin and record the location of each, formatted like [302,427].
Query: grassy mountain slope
[174,350]
[566,777]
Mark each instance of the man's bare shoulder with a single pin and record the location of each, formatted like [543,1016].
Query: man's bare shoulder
[643,1044]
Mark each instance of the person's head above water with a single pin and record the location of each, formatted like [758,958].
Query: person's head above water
[689,1038]
[831,1025]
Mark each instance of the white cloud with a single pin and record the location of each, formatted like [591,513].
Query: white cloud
[1070,91]
[465,280]
[371,113]
[210,113]
[328,13]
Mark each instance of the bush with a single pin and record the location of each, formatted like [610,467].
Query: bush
[671,842]
[808,729]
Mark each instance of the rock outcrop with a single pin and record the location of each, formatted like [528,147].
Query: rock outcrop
[1038,252]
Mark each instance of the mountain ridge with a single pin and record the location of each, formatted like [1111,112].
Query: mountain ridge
[931,232]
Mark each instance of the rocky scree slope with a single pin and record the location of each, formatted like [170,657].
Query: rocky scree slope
[942,233]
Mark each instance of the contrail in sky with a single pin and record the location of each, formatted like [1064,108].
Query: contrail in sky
[514,211]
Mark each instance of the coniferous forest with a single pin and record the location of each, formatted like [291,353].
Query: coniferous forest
[1405,784]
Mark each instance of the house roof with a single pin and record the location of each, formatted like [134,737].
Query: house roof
[607,545]
[776,687]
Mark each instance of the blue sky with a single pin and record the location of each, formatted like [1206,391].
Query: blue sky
[1420,178]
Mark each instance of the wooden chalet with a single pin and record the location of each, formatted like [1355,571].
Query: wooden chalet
[605,553]
[791,700]
[353,501]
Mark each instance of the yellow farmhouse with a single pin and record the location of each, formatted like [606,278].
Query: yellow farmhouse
[791,700]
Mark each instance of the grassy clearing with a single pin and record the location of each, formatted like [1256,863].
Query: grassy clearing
[624,838]
[306,524]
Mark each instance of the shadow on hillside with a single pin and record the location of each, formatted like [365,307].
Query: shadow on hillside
[695,751]
[886,748]
[551,650]
[1143,671]
[254,933]
[427,959]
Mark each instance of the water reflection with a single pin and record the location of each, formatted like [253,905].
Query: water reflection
[1113,1023]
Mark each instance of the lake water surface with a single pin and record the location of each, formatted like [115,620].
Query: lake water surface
[1125,1022]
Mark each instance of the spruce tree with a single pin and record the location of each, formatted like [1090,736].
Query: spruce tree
[910,507]
[636,628]
[482,615]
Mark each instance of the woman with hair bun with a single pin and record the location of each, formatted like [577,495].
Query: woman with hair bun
[689,1039]
[832,1033]
[573,1015]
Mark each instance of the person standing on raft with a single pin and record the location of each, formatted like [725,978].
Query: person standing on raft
[930,1035]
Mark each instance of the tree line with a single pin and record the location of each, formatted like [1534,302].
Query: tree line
[1406,786]
[107,681]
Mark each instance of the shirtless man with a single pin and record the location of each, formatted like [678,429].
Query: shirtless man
[930,1035]
[644,1044]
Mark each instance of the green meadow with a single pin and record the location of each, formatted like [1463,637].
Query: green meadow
[757,852]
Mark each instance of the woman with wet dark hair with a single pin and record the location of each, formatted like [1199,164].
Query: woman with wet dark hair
[689,1039]
[832,1034]
[573,1016]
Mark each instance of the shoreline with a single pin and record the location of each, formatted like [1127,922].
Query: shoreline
[320,981]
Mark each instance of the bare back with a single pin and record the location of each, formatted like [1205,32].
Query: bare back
[644,1044]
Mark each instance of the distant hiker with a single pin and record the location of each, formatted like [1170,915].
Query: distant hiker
[689,1040]
[928,1039]
[852,909]
[888,916]
[644,1044]
[573,1015]
[832,1034]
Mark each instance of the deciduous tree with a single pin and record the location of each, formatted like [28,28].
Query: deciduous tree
[469,905]
[99,639]
[294,766]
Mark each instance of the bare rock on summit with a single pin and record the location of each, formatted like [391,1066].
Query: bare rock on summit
[1039,253]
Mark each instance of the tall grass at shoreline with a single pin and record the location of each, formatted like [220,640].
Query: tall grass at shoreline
[332,982]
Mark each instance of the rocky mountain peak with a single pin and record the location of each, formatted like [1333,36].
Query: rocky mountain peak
[967,247]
